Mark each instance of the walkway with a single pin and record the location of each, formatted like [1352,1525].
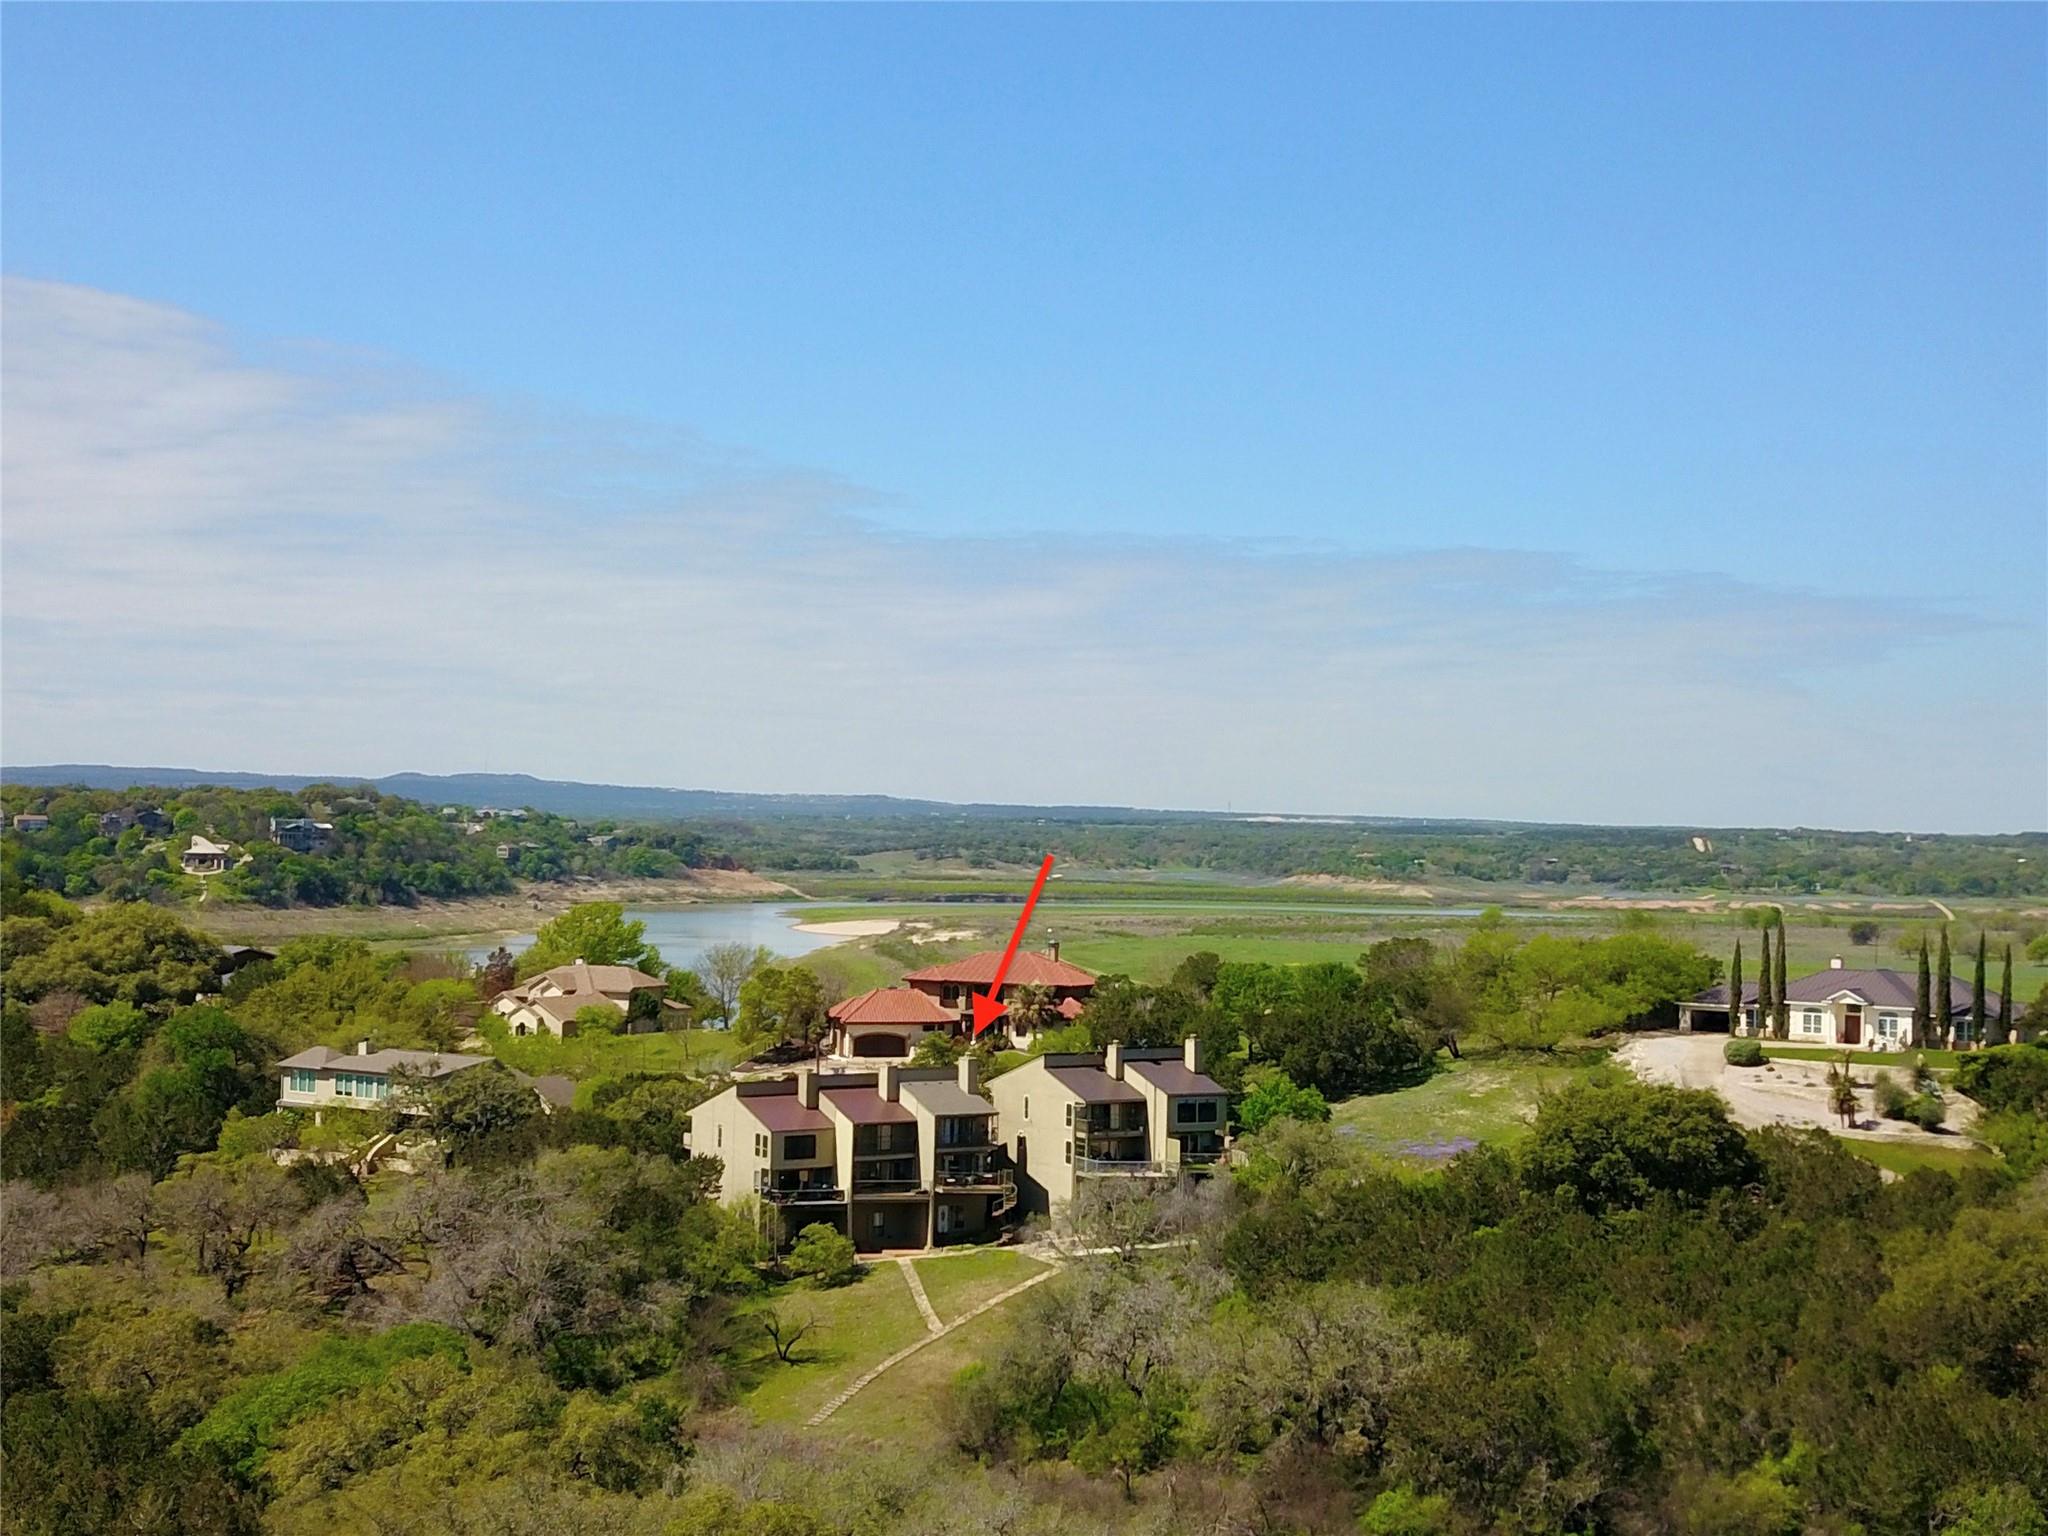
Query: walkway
[935,1332]
[924,1302]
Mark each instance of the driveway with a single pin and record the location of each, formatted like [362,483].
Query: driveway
[1793,1093]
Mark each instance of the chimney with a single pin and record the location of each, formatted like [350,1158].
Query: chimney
[1052,949]
[885,1081]
[1191,1053]
[362,1047]
[970,1073]
[1835,963]
[807,1087]
[1113,1059]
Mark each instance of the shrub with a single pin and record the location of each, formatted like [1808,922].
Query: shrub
[1275,1096]
[1890,1097]
[823,1255]
[1924,1110]
[1863,933]
[2007,1077]
[1741,1052]
[1618,1147]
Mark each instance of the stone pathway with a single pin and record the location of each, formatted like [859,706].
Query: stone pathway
[905,1353]
[924,1302]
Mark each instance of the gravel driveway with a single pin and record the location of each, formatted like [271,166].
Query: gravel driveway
[1791,1093]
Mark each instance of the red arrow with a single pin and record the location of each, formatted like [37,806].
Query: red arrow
[986,1009]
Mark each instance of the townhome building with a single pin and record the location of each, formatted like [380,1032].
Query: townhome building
[901,1157]
[1868,1010]
[1123,1112]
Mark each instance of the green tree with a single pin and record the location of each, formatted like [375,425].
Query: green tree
[1735,988]
[784,1005]
[597,932]
[478,1115]
[823,1255]
[1766,998]
[1272,1095]
[2005,999]
[1616,1147]
[1944,992]
[111,1027]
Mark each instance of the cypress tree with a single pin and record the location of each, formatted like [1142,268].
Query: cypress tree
[2005,999]
[1735,991]
[1923,1002]
[1764,994]
[1784,1009]
[1977,997]
[1944,989]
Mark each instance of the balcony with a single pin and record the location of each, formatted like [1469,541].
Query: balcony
[980,1178]
[1118,1167]
[805,1194]
[863,1188]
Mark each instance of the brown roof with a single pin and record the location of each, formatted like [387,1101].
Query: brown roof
[784,1112]
[1029,968]
[864,1106]
[1174,1077]
[891,1005]
[1070,1008]
[579,976]
[569,1004]
[1092,1085]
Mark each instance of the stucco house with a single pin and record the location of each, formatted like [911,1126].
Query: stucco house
[953,984]
[321,1078]
[547,1004]
[1869,1010]
[887,1022]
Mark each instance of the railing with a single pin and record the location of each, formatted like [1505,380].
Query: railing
[805,1194]
[1129,1167]
[990,1179]
[1198,1159]
[888,1187]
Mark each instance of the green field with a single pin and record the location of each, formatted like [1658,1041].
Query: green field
[860,1325]
[590,1056]
[959,1282]
[1903,1061]
[1902,1157]
[1484,1099]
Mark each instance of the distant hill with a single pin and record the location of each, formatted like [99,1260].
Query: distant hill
[567,798]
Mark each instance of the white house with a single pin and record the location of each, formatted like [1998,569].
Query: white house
[547,1004]
[1864,1010]
[205,856]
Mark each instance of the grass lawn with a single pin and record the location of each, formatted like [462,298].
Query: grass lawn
[960,1282]
[1479,1099]
[1903,1157]
[593,1055]
[1904,1061]
[861,1325]
[908,1404]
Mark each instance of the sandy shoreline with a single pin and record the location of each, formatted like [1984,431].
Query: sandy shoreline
[853,928]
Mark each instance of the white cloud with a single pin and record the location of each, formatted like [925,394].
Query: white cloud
[317,562]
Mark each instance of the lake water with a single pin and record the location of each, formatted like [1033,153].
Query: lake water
[682,934]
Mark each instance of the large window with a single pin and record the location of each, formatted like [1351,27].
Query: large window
[302,1080]
[799,1148]
[1810,1021]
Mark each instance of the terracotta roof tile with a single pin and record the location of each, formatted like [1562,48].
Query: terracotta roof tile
[1029,968]
[892,1005]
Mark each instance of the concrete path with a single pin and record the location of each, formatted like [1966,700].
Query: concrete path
[924,1302]
[905,1353]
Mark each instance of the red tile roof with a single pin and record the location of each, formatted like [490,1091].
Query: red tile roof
[892,1005]
[1030,967]
[1070,1008]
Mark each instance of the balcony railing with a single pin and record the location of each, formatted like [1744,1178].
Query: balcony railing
[1131,1167]
[991,1178]
[888,1186]
[805,1194]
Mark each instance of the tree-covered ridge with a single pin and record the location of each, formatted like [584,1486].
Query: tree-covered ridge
[1630,858]
[374,848]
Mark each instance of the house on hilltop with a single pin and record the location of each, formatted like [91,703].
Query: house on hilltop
[953,984]
[205,856]
[1862,1010]
[321,1078]
[300,834]
[886,1022]
[547,1004]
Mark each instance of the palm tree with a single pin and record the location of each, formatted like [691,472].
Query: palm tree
[1031,1008]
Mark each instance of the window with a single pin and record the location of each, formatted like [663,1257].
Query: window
[1070,1114]
[1027,1106]
[760,1144]
[1810,1021]
[1069,1148]
[1888,1026]
[799,1148]
[721,1136]
[302,1080]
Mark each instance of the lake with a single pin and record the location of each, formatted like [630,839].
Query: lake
[682,934]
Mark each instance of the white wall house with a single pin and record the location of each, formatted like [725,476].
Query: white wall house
[1868,1010]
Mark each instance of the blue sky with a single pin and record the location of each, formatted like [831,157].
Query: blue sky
[1627,326]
